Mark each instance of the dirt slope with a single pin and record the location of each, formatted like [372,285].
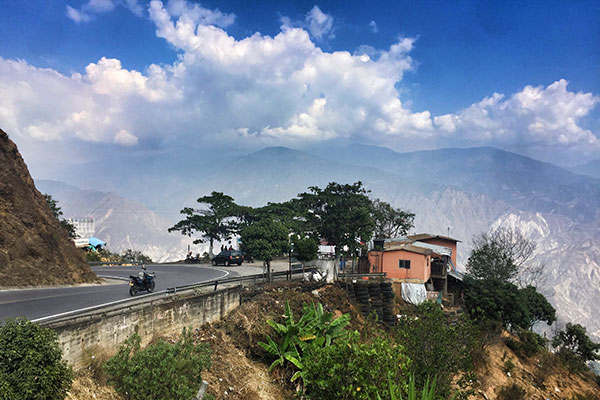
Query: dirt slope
[34,249]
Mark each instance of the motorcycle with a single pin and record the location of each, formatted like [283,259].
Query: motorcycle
[145,281]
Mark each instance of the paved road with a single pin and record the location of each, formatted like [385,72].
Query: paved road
[37,303]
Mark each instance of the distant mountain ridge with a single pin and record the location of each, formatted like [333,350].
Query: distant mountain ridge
[122,223]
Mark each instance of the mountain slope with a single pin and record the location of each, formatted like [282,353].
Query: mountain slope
[34,248]
[122,223]
[591,169]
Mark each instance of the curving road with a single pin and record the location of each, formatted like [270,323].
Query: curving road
[42,302]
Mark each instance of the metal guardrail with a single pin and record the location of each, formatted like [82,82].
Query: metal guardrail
[248,279]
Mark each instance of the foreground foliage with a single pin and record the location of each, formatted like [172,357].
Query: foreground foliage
[162,370]
[315,329]
[438,349]
[349,369]
[31,365]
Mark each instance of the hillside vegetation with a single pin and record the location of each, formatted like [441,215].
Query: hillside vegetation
[492,367]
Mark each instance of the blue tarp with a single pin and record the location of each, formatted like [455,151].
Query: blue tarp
[95,242]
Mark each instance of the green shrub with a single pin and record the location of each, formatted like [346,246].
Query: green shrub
[509,365]
[31,365]
[529,344]
[511,392]
[162,370]
[349,369]
[438,349]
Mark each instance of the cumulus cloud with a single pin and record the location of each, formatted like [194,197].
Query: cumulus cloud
[93,7]
[538,115]
[268,90]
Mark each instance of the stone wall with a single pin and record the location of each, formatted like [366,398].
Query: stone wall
[160,316]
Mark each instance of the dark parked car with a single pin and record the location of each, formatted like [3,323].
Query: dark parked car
[228,257]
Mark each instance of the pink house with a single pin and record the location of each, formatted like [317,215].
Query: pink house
[422,258]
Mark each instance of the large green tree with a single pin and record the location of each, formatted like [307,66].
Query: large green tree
[264,240]
[496,300]
[504,255]
[575,347]
[216,220]
[342,214]
[391,222]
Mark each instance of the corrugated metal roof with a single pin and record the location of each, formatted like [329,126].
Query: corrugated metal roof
[441,250]
[422,236]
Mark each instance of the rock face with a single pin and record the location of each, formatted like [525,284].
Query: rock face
[34,249]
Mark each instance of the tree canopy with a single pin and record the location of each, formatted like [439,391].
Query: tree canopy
[304,248]
[391,222]
[574,339]
[342,214]
[216,221]
[504,255]
[496,300]
[265,240]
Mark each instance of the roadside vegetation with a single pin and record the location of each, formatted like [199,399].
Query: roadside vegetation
[31,364]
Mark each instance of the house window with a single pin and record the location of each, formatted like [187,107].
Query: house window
[404,264]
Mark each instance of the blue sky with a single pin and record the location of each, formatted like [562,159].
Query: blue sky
[96,78]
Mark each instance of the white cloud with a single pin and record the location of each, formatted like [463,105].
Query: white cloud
[535,116]
[319,24]
[76,15]
[93,7]
[373,27]
[125,138]
[263,90]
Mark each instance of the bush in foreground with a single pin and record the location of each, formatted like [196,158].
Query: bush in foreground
[162,370]
[349,369]
[438,349]
[31,364]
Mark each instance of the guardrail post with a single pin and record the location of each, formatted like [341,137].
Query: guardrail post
[216,283]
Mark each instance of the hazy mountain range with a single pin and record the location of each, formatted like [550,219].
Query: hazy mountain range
[460,192]
[122,223]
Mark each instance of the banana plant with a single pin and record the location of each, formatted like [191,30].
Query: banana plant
[314,328]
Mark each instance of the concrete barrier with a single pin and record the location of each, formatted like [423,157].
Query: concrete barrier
[167,315]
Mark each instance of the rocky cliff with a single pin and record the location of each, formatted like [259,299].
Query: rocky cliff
[34,249]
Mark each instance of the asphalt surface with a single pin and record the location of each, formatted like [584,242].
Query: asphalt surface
[42,302]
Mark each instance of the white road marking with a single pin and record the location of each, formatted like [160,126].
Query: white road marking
[99,306]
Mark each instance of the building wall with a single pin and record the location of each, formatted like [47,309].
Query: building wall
[446,243]
[162,316]
[419,264]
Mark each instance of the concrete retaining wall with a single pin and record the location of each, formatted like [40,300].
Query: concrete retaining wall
[160,316]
